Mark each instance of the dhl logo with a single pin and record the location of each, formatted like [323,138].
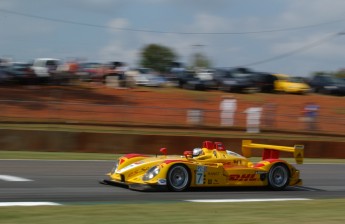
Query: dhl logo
[243,177]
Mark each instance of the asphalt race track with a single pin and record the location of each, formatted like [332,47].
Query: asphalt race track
[77,182]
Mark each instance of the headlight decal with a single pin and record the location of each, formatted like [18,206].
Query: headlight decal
[162,182]
[151,173]
[115,167]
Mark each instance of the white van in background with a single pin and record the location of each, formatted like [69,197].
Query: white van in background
[44,67]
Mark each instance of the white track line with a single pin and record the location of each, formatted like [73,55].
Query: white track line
[305,188]
[13,178]
[5,204]
[248,200]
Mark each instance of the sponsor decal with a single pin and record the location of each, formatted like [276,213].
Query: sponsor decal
[209,181]
[237,162]
[162,182]
[201,169]
[199,174]
[242,177]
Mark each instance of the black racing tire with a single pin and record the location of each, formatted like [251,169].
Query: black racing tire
[178,178]
[278,176]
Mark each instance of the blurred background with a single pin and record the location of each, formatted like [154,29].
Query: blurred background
[113,63]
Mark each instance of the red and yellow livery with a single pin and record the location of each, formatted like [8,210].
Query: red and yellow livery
[209,166]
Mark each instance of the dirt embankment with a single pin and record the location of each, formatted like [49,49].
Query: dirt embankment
[98,104]
[92,102]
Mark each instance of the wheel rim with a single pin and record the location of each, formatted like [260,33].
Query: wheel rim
[178,177]
[279,176]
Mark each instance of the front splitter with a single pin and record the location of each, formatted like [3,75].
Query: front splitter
[135,186]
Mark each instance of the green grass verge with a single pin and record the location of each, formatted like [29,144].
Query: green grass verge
[56,155]
[105,156]
[313,211]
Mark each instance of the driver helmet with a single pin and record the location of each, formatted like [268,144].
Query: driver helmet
[197,152]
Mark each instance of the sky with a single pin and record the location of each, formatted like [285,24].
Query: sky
[295,37]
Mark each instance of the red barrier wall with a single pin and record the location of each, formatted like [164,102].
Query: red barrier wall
[61,141]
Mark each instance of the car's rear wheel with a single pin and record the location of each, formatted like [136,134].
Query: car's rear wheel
[178,178]
[278,177]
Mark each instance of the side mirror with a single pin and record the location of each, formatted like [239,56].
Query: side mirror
[188,154]
[164,151]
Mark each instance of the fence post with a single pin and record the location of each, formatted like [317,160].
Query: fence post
[195,117]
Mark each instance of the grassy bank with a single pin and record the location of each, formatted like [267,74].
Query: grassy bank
[313,211]
[56,155]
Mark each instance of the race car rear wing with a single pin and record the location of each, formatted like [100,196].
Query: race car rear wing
[272,151]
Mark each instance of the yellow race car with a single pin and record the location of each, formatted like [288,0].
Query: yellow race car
[209,166]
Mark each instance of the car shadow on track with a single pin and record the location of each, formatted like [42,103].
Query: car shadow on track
[253,189]
[217,189]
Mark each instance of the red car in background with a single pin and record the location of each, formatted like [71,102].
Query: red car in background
[90,71]
[93,71]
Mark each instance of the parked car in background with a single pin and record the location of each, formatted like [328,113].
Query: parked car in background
[174,75]
[114,68]
[148,77]
[327,84]
[234,80]
[175,69]
[263,81]
[4,77]
[45,68]
[20,73]
[195,80]
[287,84]
[87,71]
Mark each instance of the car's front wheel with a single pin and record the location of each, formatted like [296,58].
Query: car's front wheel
[278,177]
[178,178]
